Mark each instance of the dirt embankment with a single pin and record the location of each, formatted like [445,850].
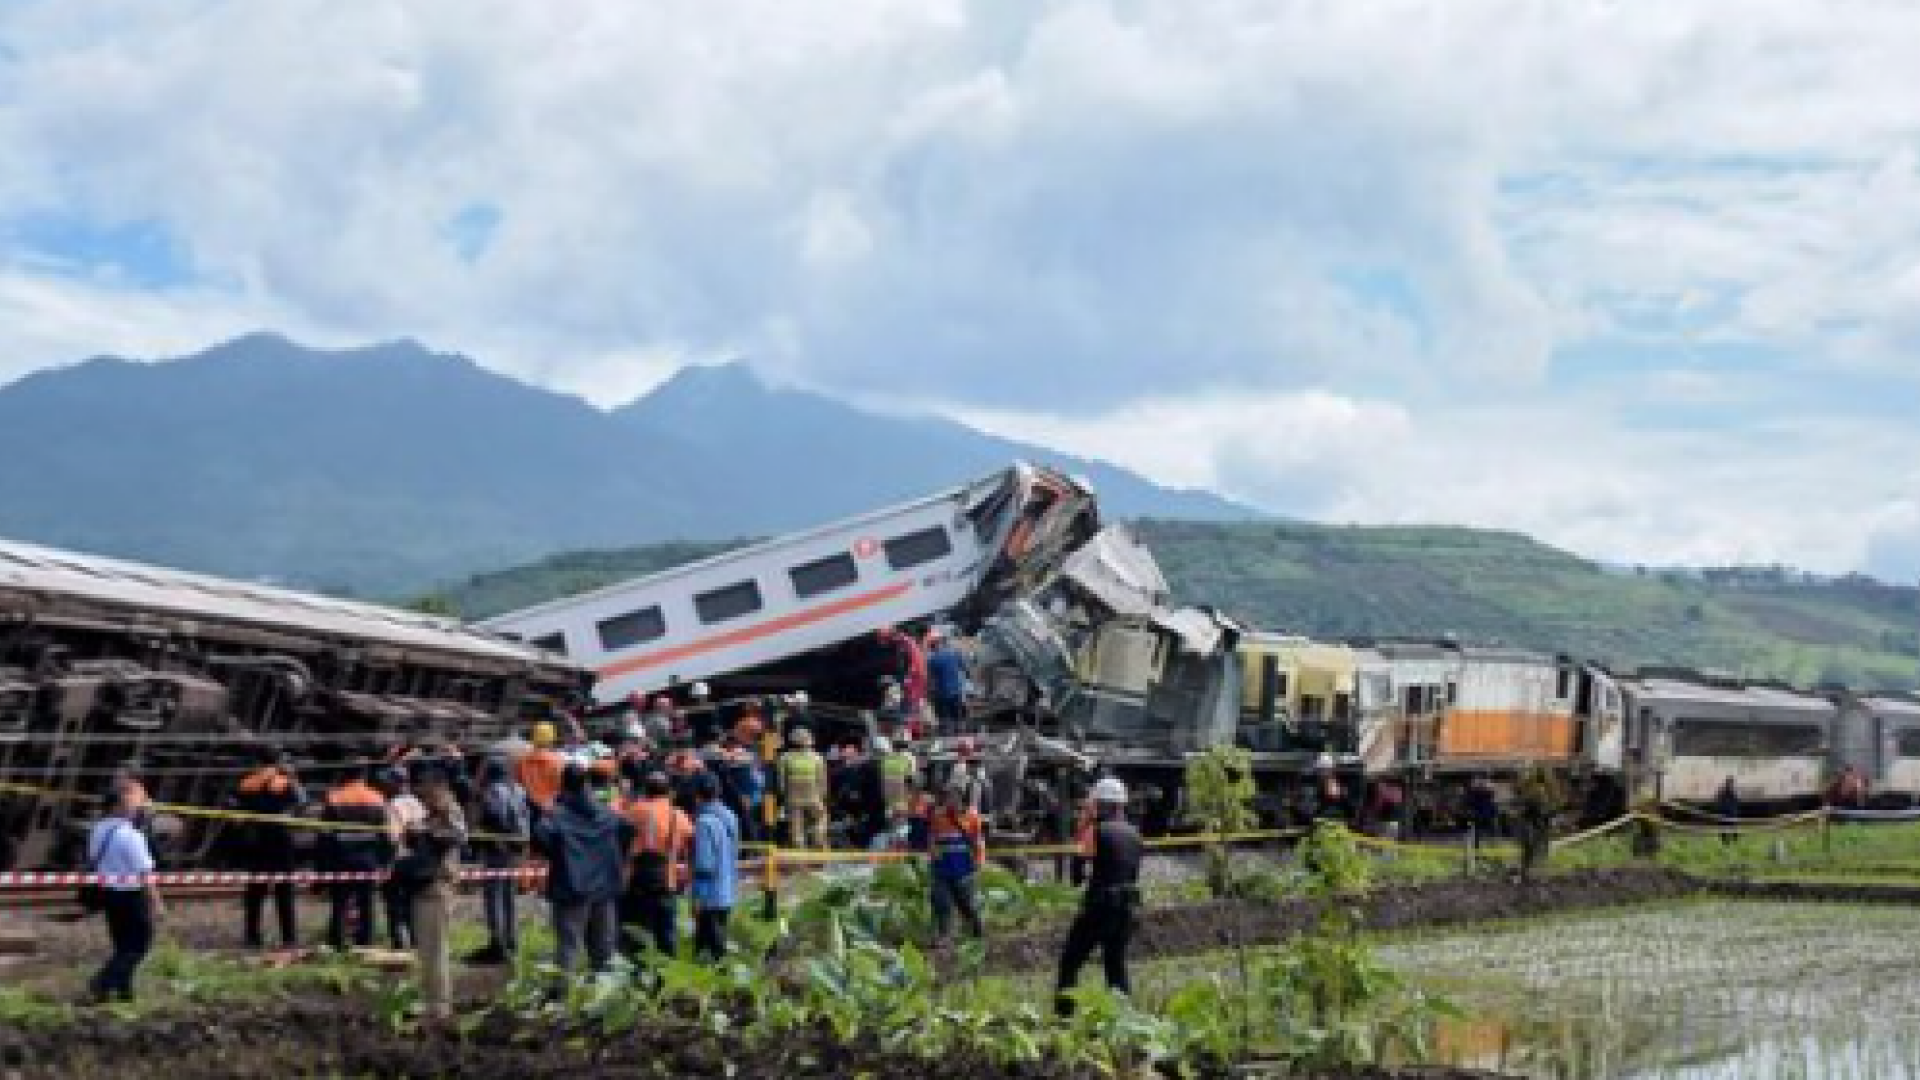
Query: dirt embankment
[1190,929]
[331,1038]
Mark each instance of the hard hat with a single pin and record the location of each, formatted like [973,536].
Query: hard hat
[802,737]
[662,703]
[966,747]
[1323,763]
[882,745]
[701,691]
[1110,790]
[633,730]
[798,697]
[543,734]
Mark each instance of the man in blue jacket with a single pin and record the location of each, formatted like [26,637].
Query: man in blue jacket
[947,672]
[716,865]
[586,845]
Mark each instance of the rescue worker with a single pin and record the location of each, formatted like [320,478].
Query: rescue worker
[266,847]
[659,719]
[504,828]
[702,717]
[117,849]
[1727,805]
[803,788]
[357,844]
[405,812]
[126,777]
[956,842]
[896,774]
[436,837]
[743,785]
[947,681]
[586,847]
[538,772]
[684,769]
[971,774]
[662,835]
[1112,897]
[1327,799]
[716,868]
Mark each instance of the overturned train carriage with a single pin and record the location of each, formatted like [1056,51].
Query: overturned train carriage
[103,662]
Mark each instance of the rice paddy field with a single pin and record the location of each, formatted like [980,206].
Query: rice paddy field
[1689,991]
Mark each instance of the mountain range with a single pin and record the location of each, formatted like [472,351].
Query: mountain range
[386,469]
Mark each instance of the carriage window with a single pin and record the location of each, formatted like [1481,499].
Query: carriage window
[633,628]
[557,643]
[1736,738]
[824,575]
[1563,689]
[915,548]
[1907,742]
[730,602]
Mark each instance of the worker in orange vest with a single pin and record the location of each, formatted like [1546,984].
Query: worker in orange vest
[956,841]
[539,771]
[662,833]
[266,847]
[357,845]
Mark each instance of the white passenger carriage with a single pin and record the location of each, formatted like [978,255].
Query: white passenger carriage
[1692,733]
[739,612]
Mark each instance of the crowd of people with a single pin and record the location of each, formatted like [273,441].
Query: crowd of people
[625,835]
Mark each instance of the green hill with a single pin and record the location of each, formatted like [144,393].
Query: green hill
[1366,581]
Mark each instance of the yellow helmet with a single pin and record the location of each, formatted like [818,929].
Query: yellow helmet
[544,734]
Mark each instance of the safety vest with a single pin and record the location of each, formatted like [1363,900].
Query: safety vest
[539,775]
[804,774]
[957,843]
[660,829]
[895,768]
[1083,830]
[268,780]
[355,803]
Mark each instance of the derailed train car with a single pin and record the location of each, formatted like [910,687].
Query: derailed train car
[103,662]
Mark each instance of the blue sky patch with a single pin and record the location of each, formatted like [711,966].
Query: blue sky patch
[471,230]
[143,252]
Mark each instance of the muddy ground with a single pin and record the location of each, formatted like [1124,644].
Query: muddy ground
[333,1039]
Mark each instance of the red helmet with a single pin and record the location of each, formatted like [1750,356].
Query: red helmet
[662,703]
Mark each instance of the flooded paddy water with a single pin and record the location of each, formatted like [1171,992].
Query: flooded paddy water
[1699,990]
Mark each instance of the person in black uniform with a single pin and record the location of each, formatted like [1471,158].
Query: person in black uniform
[266,847]
[1112,896]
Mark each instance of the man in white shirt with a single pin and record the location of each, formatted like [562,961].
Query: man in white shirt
[405,813]
[117,850]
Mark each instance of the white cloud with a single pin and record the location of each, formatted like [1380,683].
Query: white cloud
[1548,470]
[1080,218]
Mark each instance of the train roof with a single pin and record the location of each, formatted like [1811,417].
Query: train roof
[772,544]
[116,583]
[1664,687]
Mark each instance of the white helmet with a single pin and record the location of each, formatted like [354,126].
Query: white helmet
[701,691]
[1323,763]
[1110,790]
[882,745]
[798,697]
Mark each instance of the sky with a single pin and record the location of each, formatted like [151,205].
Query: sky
[1639,278]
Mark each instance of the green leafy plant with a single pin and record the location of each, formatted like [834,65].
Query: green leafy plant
[1220,795]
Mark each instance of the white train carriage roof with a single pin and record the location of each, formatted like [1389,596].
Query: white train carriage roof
[747,555]
[1669,690]
[120,584]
